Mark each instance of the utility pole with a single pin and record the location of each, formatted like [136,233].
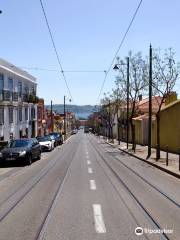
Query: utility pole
[127,130]
[150,102]
[118,123]
[64,117]
[52,124]
[109,119]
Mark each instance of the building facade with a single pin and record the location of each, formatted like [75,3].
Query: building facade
[41,118]
[18,108]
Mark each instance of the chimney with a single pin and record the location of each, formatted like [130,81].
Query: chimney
[140,97]
[170,97]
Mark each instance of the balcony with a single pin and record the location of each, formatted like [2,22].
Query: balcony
[25,98]
[15,96]
[7,95]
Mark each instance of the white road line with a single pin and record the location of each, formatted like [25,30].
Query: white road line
[92,185]
[88,162]
[90,170]
[98,219]
[87,156]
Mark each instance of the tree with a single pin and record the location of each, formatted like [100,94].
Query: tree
[137,85]
[165,73]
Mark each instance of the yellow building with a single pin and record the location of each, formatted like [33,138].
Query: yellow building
[169,127]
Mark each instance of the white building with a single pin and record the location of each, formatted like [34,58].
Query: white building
[18,108]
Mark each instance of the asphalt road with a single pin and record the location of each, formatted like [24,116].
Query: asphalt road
[88,190]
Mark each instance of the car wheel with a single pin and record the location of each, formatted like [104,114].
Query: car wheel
[29,159]
[39,157]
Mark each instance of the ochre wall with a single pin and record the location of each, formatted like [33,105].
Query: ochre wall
[169,128]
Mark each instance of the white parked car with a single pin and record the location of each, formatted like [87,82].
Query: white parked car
[53,140]
[46,143]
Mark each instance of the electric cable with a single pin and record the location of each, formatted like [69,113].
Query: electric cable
[116,53]
[55,49]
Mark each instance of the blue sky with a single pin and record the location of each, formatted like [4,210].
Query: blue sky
[87,35]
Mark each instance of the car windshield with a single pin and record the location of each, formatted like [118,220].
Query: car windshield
[18,143]
[43,139]
[55,134]
[52,137]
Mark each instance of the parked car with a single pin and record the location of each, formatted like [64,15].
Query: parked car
[74,131]
[53,140]
[58,138]
[86,129]
[24,150]
[46,143]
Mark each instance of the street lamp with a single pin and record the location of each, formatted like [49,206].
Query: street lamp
[0,11]
[116,67]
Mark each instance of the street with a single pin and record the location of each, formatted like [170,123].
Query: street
[85,190]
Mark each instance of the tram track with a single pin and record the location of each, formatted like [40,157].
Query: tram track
[10,202]
[146,212]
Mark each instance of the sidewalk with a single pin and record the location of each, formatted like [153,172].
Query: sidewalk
[141,153]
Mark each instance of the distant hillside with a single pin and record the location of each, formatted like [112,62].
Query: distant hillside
[81,112]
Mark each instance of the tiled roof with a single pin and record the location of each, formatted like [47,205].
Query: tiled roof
[143,105]
[11,68]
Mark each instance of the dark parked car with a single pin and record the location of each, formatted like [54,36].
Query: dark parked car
[21,150]
[86,129]
[58,138]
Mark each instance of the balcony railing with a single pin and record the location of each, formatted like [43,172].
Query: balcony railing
[25,98]
[15,96]
[6,95]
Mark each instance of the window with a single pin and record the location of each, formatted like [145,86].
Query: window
[20,114]
[10,84]
[20,89]
[26,89]
[26,113]
[33,91]
[1,82]
[1,115]
[11,115]
[32,113]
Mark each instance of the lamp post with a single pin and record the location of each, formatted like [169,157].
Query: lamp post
[116,67]
[52,122]
[64,117]
[109,120]
[0,11]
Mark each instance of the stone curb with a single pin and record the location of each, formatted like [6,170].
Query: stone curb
[150,163]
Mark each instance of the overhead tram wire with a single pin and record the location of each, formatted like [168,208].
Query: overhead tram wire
[65,71]
[121,43]
[55,49]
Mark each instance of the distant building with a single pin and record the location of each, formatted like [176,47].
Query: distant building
[41,118]
[18,108]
